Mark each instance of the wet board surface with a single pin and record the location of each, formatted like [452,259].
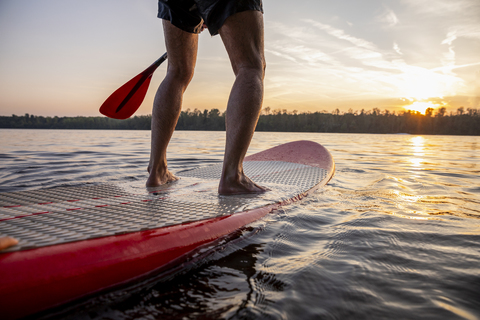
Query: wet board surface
[76,241]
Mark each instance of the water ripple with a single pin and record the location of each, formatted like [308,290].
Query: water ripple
[394,235]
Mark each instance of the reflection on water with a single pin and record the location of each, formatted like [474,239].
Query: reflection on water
[394,235]
[418,152]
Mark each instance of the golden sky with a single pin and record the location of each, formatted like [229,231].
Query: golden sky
[65,57]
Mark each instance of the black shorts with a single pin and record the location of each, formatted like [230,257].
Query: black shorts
[189,15]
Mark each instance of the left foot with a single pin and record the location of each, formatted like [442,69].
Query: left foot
[159,178]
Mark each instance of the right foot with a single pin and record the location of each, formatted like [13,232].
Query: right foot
[240,185]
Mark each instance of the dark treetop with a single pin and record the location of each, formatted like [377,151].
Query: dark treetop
[462,122]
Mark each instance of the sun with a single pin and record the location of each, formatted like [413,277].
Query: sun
[426,88]
[421,106]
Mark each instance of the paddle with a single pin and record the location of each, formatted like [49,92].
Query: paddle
[123,103]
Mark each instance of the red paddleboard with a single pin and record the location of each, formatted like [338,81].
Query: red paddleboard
[75,242]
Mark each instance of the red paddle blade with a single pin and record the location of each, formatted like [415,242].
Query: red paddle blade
[123,103]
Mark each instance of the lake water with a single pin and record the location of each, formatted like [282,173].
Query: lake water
[394,235]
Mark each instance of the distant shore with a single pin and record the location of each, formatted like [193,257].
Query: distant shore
[374,121]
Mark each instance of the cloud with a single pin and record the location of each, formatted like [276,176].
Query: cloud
[397,48]
[388,17]
[340,34]
[459,17]
[451,36]
[311,56]
[280,54]
[449,57]
[454,33]
[299,45]
[469,31]
[444,7]
[328,63]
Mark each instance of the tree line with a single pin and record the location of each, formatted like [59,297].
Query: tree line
[461,122]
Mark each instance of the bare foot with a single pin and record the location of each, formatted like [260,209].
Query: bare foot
[239,185]
[6,242]
[157,179]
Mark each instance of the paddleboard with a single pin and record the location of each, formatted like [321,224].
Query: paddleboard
[75,242]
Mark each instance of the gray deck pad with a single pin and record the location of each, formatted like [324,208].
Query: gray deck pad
[65,214]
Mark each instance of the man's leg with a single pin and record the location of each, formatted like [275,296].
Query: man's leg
[182,54]
[242,35]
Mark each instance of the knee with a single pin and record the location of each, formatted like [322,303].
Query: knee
[180,74]
[255,65]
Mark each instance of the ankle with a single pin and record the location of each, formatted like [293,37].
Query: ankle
[158,168]
[232,174]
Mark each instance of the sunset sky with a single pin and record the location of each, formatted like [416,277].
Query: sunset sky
[65,57]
